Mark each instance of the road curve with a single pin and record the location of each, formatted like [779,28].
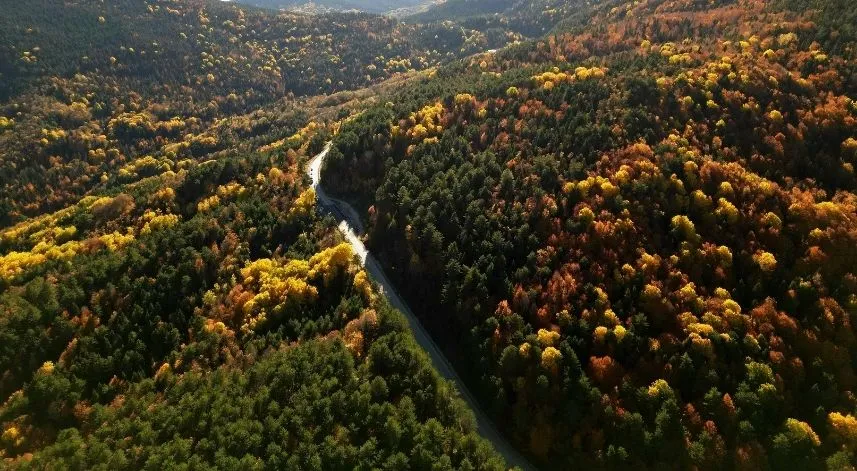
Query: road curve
[348,221]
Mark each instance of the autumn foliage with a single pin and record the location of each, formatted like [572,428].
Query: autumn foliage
[644,231]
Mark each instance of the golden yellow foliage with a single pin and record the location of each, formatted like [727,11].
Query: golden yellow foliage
[651,292]
[568,187]
[363,286]
[551,358]
[766,261]
[772,220]
[786,38]
[727,210]
[115,241]
[12,436]
[278,284]
[552,77]
[327,262]
[659,388]
[158,222]
[725,255]
[547,338]
[844,427]
[729,304]
[462,99]
[702,345]
[47,368]
[424,123]
[275,175]
[146,164]
[586,215]
[230,189]
[803,429]
[16,263]
[208,204]
[775,116]
[163,370]
[684,226]
[609,190]
[701,329]
[304,204]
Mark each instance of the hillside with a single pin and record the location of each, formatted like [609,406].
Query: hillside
[369,6]
[628,228]
[170,294]
[180,43]
[638,233]
[207,314]
[524,18]
[90,86]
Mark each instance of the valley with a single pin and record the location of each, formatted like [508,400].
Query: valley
[476,235]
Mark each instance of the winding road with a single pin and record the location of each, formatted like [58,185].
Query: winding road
[350,226]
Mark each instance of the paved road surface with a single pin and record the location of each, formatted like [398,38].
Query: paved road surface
[348,221]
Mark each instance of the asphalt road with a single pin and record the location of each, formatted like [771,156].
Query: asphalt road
[349,225]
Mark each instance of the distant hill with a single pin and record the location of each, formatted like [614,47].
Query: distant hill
[531,18]
[197,54]
[459,9]
[369,6]
[177,44]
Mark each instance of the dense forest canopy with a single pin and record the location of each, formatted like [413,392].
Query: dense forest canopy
[642,227]
[169,293]
[88,86]
[631,225]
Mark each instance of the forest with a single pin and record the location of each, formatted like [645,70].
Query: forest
[86,88]
[132,320]
[630,225]
[370,6]
[642,229]
[514,19]
[170,294]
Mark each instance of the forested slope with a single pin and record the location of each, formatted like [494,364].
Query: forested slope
[514,19]
[370,6]
[165,43]
[169,294]
[88,86]
[642,230]
[202,312]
